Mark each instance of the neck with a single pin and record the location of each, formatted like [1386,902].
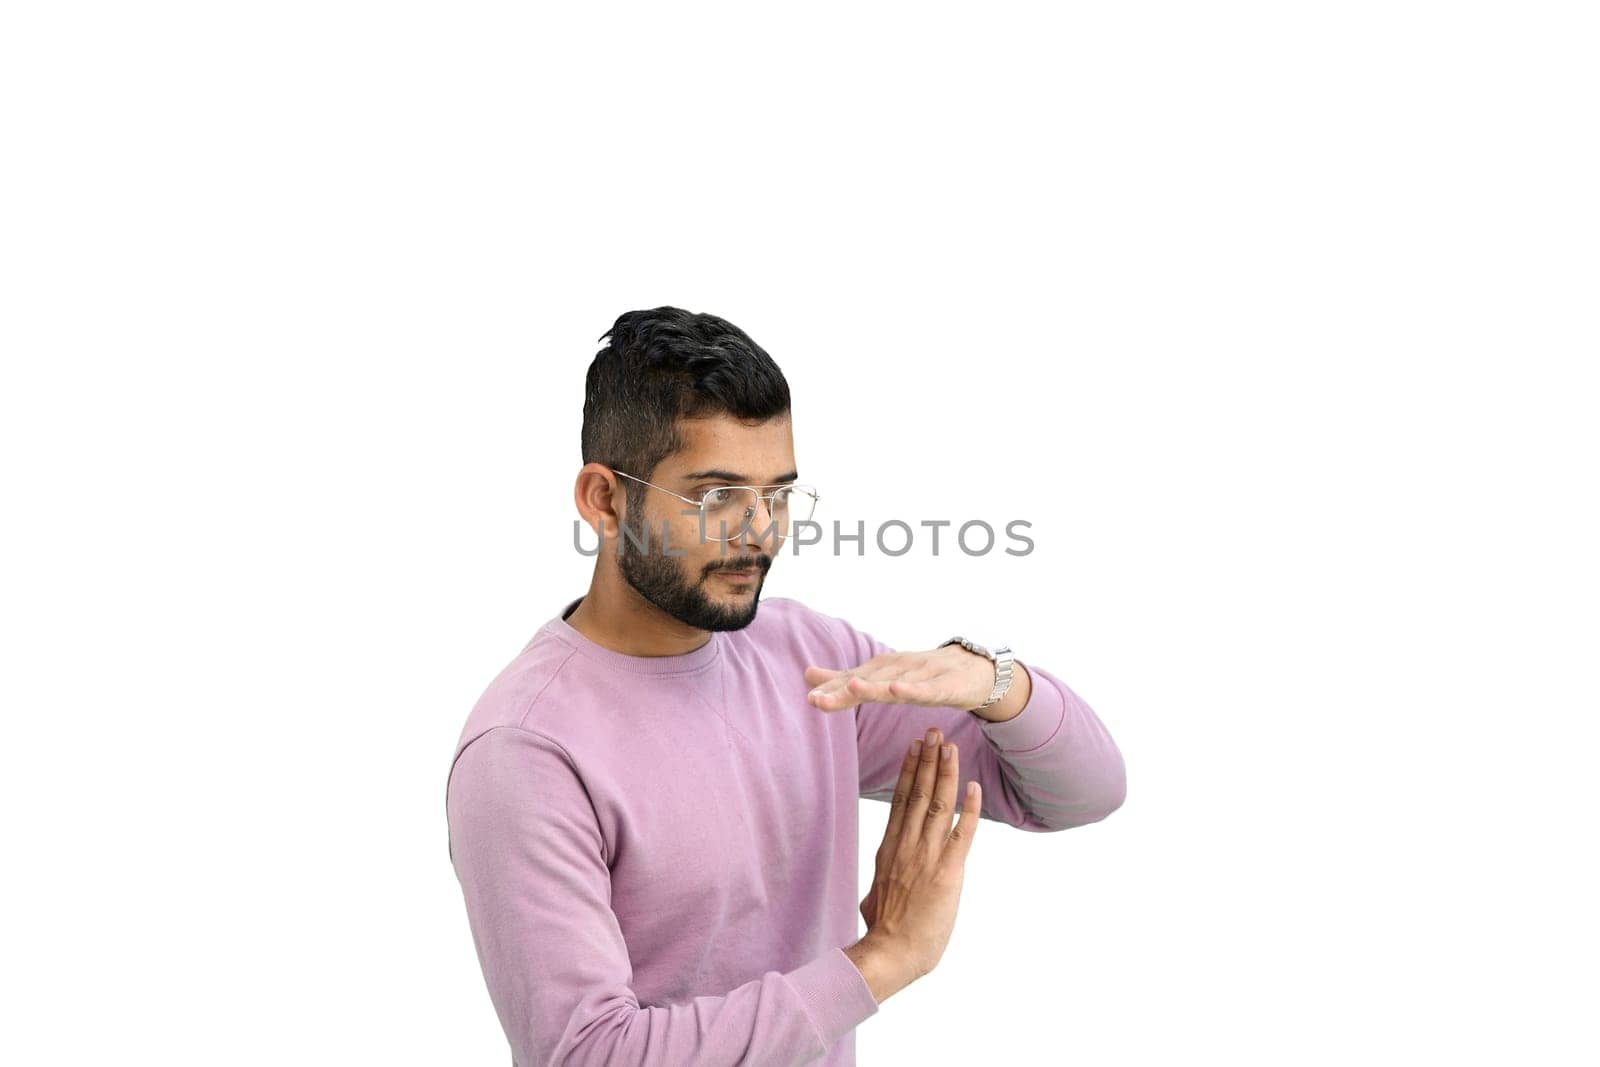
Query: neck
[614,616]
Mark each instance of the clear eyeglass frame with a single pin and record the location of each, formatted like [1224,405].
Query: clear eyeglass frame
[804,495]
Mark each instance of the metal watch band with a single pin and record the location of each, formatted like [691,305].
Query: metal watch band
[1000,656]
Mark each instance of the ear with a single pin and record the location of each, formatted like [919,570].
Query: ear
[600,499]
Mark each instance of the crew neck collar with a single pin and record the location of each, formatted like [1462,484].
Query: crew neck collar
[682,663]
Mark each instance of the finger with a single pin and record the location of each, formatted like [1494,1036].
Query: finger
[865,689]
[921,791]
[859,688]
[902,794]
[892,691]
[960,842]
[878,670]
[815,676]
[832,696]
[912,691]
[847,690]
[943,801]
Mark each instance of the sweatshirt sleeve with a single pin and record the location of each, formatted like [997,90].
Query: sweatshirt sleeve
[1052,767]
[527,849]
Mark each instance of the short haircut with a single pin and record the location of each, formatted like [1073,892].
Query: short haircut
[662,365]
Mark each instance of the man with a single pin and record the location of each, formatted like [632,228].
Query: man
[653,808]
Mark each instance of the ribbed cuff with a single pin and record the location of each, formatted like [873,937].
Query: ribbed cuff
[1038,721]
[835,993]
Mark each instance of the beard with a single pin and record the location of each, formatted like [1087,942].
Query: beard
[660,579]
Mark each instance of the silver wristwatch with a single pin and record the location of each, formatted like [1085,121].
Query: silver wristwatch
[1000,656]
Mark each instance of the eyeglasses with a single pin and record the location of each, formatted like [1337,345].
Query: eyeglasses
[787,504]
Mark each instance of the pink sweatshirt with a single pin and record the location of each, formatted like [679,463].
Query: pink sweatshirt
[659,854]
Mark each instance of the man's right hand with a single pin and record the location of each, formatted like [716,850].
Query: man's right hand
[911,908]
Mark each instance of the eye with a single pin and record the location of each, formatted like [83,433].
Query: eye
[716,498]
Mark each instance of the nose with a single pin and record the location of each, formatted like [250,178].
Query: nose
[759,527]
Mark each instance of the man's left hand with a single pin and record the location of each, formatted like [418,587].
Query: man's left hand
[949,677]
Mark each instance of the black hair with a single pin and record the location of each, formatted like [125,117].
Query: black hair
[662,365]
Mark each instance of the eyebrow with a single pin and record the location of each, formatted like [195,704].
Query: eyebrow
[735,478]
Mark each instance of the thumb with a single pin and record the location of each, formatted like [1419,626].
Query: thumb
[869,906]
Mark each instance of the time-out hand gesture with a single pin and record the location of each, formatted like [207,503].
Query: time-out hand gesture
[948,677]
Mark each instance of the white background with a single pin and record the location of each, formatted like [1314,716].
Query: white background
[1275,320]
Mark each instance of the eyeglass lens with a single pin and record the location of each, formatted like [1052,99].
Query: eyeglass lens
[734,508]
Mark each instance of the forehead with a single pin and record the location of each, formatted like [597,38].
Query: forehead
[761,451]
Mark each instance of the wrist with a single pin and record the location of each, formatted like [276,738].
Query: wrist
[1000,662]
[1016,698]
[883,963]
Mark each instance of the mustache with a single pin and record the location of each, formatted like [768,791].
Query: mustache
[752,563]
